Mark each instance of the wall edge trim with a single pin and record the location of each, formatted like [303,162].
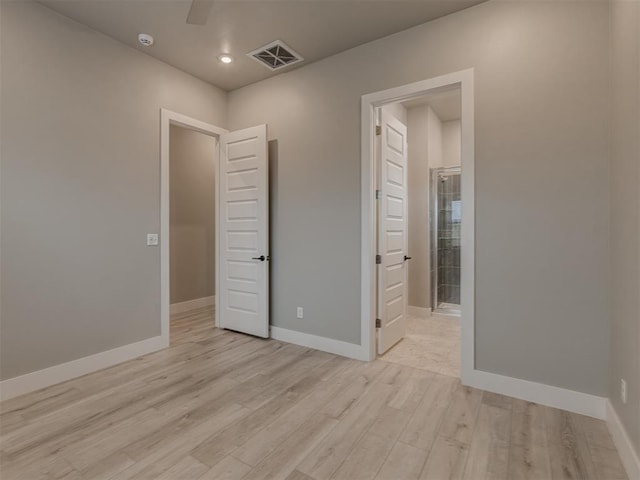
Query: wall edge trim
[628,454]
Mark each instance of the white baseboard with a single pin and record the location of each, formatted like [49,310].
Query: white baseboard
[192,304]
[420,312]
[30,382]
[577,402]
[621,439]
[324,344]
[572,401]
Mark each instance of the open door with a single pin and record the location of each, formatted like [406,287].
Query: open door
[244,232]
[392,233]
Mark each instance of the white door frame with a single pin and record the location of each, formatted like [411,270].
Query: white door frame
[464,80]
[168,118]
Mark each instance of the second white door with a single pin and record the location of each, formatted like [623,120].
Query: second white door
[243,211]
[392,233]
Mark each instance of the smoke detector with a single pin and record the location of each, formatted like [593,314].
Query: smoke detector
[145,39]
[276,55]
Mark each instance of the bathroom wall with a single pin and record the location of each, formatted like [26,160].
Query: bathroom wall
[397,110]
[433,137]
[424,146]
[192,214]
[451,144]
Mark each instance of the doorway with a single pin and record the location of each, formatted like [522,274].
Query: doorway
[192,221]
[385,267]
[419,201]
[239,273]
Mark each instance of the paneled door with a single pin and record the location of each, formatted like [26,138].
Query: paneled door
[244,232]
[392,233]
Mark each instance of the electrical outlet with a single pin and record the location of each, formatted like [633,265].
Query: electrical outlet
[300,312]
[623,390]
[152,239]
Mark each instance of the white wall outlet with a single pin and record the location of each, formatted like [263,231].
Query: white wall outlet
[152,239]
[623,390]
[300,312]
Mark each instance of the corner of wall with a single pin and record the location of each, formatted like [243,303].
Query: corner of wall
[623,443]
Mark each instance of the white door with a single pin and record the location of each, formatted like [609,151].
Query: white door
[244,232]
[392,233]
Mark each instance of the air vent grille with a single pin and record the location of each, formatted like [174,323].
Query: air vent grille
[276,55]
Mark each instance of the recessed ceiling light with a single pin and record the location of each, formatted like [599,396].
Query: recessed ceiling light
[145,39]
[225,58]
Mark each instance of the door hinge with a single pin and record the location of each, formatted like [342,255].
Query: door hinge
[378,323]
[378,259]
[378,129]
[378,194]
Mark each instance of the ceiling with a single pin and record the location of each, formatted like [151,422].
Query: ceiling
[446,105]
[314,28]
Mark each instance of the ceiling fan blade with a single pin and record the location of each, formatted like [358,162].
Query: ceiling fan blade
[199,12]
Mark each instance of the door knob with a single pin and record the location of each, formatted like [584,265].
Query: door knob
[262,258]
[406,258]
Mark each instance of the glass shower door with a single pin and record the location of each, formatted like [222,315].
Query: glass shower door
[446,217]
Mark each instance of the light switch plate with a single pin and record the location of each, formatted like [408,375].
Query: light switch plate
[152,239]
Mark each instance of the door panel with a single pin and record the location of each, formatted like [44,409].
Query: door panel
[392,233]
[244,235]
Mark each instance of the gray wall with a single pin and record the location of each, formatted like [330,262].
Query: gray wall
[192,214]
[625,214]
[541,115]
[80,186]
[419,283]
[424,139]
[434,136]
[451,143]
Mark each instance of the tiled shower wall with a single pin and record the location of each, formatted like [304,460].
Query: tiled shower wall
[449,210]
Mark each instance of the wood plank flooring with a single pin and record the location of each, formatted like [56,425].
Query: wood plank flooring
[431,343]
[221,405]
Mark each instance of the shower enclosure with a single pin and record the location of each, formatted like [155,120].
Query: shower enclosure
[445,221]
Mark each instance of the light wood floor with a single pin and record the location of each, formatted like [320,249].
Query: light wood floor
[220,405]
[431,343]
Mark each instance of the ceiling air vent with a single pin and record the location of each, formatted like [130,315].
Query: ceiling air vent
[276,55]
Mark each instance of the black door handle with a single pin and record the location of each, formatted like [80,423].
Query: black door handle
[262,258]
[406,258]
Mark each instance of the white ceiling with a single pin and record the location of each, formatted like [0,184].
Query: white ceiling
[314,28]
[446,105]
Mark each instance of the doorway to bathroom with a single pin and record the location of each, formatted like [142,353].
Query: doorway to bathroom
[422,228]
[419,221]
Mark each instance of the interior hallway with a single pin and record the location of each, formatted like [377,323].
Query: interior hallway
[431,343]
[218,404]
[192,326]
